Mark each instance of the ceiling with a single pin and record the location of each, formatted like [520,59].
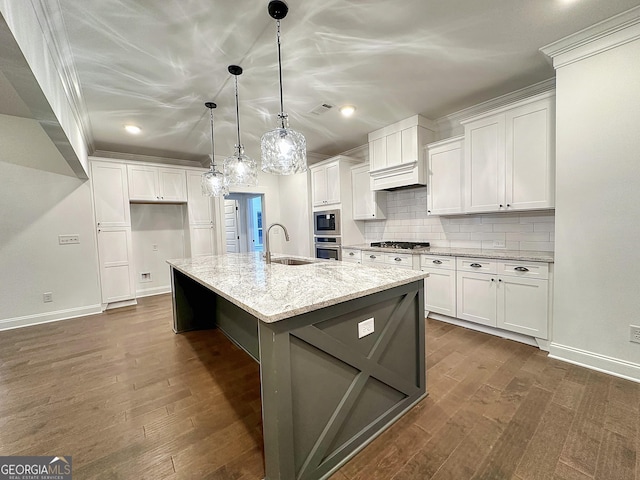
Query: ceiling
[154,64]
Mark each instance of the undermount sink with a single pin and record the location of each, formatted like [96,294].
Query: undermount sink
[291,261]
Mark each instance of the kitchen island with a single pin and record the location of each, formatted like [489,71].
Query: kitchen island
[341,348]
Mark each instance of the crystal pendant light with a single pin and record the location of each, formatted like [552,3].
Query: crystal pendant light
[213,184]
[239,169]
[284,151]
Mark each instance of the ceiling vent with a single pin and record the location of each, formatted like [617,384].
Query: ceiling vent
[320,109]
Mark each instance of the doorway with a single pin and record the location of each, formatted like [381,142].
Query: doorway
[243,220]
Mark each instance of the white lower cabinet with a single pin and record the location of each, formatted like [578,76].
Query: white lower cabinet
[510,295]
[116,269]
[351,255]
[440,285]
[202,240]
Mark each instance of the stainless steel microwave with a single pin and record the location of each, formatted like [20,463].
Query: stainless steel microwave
[326,222]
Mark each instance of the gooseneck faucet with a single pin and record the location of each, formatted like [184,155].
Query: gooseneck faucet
[267,254]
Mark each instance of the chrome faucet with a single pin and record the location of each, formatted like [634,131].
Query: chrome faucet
[267,254]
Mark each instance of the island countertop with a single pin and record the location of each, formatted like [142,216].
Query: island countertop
[275,292]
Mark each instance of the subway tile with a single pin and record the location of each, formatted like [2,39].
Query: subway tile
[538,217]
[480,236]
[457,236]
[466,220]
[528,237]
[537,246]
[503,218]
[465,244]
[480,227]
[513,227]
[544,227]
[451,228]
[440,243]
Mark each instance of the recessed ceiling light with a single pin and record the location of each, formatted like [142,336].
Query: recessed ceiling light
[133,129]
[347,110]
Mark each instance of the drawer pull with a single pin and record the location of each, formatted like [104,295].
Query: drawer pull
[475,265]
[351,253]
[398,259]
[437,262]
[373,256]
[521,269]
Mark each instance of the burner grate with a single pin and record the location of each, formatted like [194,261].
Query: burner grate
[402,245]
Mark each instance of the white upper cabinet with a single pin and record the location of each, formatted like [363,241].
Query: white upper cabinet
[156,184]
[509,161]
[110,194]
[367,204]
[395,153]
[325,184]
[444,181]
[199,206]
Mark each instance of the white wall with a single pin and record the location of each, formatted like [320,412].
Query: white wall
[295,214]
[161,226]
[40,199]
[407,220]
[597,281]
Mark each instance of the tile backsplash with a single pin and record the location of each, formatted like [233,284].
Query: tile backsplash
[407,220]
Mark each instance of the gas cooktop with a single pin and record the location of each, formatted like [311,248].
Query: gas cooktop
[403,245]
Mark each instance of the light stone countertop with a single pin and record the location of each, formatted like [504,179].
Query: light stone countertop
[275,292]
[523,255]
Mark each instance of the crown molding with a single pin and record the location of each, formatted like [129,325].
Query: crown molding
[617,30]
[49,15]
[449,125]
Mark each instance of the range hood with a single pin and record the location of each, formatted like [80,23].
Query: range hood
[397,156]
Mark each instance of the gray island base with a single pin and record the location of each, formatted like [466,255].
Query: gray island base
[325,392]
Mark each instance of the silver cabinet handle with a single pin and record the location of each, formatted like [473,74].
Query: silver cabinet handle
[521,269]
[475,265]
[493,279]
[437,262]
[372,256]
[351,253]
[398,259]
[499,279]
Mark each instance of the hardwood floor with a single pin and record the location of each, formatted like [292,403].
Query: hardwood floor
[128,399]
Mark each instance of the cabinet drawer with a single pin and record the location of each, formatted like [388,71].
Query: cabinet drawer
[351,255]
[433,261]
[399,260]
[523,269]
[478,265]
[372,257]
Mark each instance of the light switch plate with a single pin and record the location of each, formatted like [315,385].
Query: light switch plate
[68,239]
[366,327]
[499,244]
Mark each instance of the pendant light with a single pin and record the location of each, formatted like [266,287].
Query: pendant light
[239,169]
[284,151]
[213,184]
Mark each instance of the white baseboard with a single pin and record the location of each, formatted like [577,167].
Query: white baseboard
[595,361]
[148,292]
[39,318]
[517,337]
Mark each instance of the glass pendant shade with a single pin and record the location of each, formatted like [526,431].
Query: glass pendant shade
[239,169]
[283,150]
[213,183]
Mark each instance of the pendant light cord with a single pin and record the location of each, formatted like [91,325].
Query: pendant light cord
[213,162]
[280,73]
[238,116]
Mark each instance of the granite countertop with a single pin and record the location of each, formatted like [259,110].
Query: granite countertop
[275,292]
[523,255]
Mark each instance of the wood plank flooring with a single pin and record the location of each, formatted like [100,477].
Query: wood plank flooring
[128,399]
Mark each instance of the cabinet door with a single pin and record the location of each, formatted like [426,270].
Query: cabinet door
[172,185]
[333,183]
[116,265]
[530,156]
[484,166]
[378,153]
[523,305]
[409,138]
[319,186]
[110,194]
[143,183]
[363,201]
[444,184]
[199,206]
[476,297]
[202,240]
[440,291]
[394,149]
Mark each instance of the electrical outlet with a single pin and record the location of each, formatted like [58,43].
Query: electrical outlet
[154,247]
[366,327]
[635,334]
[68,239]
[145,277]
[499,244]
[47,297]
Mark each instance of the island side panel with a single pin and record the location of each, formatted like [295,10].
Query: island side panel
[332,392]
[194,305]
